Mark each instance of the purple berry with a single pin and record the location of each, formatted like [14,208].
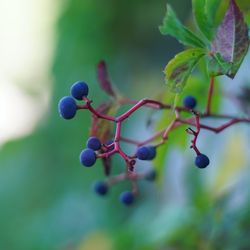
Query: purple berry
[101,188]
[189,102]
[146,152]
[152,152]
[201,161]
[67,107]
[79,90]
[88,157]
[94,143]
[126,198]
[143,153]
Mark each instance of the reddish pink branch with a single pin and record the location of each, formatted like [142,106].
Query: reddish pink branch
[216,129]
[163,133]
[195,133]
[210,94]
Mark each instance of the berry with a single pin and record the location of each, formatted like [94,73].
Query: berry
[143,153]
[126,198]
[201,161]
[67,107]
[88,157]
[146,152]
[101,187]
[152,152]
[94,143]
[79,90]
[151,175]
[189,102]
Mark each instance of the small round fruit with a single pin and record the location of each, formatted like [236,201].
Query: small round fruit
[201,161]
[126,198]
[189,102]
[94,143]
[79,90]
[152,152]
[151,175]
[143,153]
[101,188]
[67,107]
[88,157]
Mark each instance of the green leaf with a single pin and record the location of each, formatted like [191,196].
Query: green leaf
[201,17]
[231,40]
[230,168]
[212,8]
[173,27]
[205,12]
[180,67]
[163,122]
[216,65]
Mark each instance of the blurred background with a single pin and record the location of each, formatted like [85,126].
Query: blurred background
[46,197]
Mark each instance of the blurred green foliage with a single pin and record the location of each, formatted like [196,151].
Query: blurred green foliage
[46,198]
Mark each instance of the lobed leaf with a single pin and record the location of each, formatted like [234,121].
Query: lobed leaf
[212,8]
[205,13]
[231,40]
[180,67]
[201,17]
[173,27]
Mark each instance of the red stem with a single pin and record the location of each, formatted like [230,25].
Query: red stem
[210,94]
[163,133]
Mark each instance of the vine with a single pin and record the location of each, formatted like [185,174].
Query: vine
[224,52]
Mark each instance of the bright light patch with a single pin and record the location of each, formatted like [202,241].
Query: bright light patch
[26,49]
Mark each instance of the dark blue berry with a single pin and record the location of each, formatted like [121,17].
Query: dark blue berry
[143,153]
[67,107]
[151,175]
[88,157]
[146,152]
[126,198]
[189,102]
[201,161]
[152,152]
[101,187]
[79,90]
[94,143]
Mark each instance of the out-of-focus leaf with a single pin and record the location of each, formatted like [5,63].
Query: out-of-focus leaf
[96,241]
[107,163]
[173,27]
[103,128]
[102,76]
[197,86]
[230,166]
[244,5]
[180,67]
[231,40]
[162,151]
[179,138]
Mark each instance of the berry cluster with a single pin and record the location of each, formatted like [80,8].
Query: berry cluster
[104,144]
[96,149]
